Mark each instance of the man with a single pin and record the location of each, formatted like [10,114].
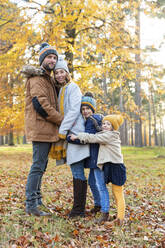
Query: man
[41,125]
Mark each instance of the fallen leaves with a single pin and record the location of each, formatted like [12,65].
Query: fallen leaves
[75,232]
[144,225]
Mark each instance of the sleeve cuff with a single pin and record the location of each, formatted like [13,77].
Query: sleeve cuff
[62,136]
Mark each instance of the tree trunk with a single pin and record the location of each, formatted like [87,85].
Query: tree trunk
[163,137]
[132,131]
[127,134]
[149,124]
[122,128]
[11,138]
[160,132]
[1,140]
[6,139]
[138,123]
[145,139]
[154,115]
[18,140]
[104,87]
[70,35]
[24,140]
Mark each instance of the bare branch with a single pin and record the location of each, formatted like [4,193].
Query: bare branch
[5,23]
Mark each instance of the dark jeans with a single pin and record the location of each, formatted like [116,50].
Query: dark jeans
[33,186]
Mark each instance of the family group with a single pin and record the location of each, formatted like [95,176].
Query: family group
[60,120]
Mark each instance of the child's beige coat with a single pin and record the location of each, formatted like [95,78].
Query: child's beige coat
[110,146]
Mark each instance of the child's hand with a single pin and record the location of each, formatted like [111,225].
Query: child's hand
[73,137]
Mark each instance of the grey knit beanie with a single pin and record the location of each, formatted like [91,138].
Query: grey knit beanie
[45,50]
[61,64]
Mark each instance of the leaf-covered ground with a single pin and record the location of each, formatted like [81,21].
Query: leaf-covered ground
[144,224]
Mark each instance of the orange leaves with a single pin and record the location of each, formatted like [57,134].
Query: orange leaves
[56,238]
[101,238]
[22,241]
[44,239]
[75,232]
[163,242]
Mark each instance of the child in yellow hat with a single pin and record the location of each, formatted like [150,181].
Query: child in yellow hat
[110,162]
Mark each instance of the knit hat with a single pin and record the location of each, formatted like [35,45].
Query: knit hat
[115,120]
[45,50]
[89,101]
[61,64]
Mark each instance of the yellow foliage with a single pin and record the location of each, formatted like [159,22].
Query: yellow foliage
[95,39]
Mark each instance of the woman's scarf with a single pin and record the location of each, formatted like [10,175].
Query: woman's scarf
[58,149]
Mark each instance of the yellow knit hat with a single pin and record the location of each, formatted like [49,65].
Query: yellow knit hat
[115,120]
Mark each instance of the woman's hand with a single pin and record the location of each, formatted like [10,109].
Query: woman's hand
[73,137]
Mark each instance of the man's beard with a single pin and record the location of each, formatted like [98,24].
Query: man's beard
[47,68]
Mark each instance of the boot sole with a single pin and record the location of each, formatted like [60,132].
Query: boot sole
[37,215]
[76,215]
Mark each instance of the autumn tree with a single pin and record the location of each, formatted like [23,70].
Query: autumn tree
[101,42]
[14,33]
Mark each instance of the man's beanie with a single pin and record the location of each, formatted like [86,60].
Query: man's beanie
[88,100]
[45,50]
[61,64]
[115,120]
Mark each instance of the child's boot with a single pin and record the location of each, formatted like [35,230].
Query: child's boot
[103,218]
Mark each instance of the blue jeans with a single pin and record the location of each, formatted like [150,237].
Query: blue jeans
[33,186]
[103,191]
[78,170]
[93,187]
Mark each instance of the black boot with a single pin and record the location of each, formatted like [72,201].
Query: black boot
[95,209]
[84,194]
[79,192]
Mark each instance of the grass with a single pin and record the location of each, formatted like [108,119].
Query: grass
[145,204]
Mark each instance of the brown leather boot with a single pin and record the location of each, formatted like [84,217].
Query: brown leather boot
[103,218]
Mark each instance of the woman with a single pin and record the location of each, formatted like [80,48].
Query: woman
[69,99]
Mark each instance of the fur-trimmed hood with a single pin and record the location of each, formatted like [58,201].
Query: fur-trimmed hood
[32,71]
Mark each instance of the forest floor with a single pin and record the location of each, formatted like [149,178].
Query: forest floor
[144,225]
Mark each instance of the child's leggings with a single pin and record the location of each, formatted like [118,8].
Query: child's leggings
[120,201]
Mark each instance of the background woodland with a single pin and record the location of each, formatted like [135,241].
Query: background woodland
[100,39]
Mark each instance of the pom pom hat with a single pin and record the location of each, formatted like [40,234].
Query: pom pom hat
[45,50]
[90,102]
[115,120]
[62,64]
